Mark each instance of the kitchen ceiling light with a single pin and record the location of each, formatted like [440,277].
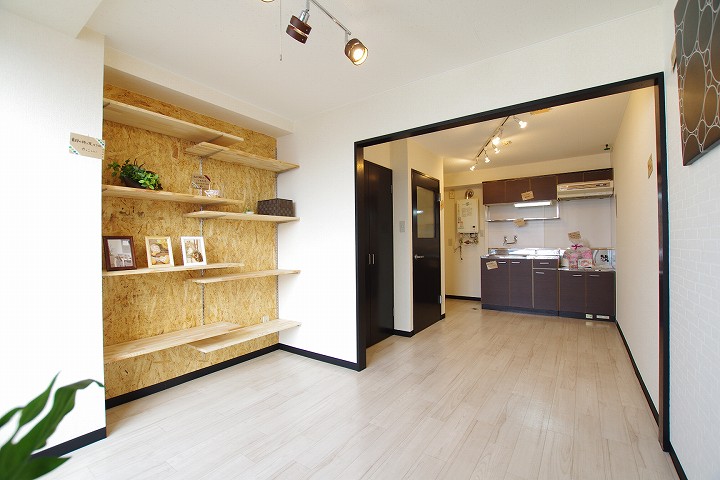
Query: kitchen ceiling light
[522,123]
[487,159]
[541,203]
[497,150]
[300,30]
[496,139]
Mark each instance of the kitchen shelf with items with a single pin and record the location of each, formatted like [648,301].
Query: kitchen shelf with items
[159,322]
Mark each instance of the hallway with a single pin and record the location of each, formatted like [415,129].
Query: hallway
[481,394]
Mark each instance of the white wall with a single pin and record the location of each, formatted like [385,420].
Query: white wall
[694,203]
[636,253]
[51,290]
[323,242]
[462,275]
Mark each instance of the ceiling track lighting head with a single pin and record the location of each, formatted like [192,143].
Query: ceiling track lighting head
[298,28]
[521,123]
[355,51]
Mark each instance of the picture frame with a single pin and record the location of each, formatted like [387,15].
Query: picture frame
[159,252]
[119,252]
[193,250]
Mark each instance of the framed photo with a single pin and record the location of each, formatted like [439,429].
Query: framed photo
[193,250]
[159,252]
[119,253]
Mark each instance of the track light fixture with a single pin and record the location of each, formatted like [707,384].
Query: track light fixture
[299,29]
[495,140]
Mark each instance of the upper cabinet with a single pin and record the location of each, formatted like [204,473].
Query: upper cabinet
[542,187]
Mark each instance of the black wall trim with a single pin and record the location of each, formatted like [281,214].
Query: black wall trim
[173,382]
[676,463]
[403,333]
[442,317]
[460,297]
[322,358]
[648,398]
[74,444]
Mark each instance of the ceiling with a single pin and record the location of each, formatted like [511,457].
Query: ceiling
[568,131]
[239,49]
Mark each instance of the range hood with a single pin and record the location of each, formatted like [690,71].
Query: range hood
[594,189]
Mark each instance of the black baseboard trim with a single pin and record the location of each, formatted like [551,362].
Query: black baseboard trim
[648,398]
[676,463]
[442,317]
[174,382]
[317,356]
[403,333]
[72,445]
[460,297]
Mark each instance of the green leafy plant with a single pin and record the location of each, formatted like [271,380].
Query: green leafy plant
[136,173]
[16,460]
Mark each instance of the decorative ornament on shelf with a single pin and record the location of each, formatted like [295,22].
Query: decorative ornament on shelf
[135,176]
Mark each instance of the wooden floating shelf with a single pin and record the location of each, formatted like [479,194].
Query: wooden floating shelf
[217,152]
[243,334]
[155,122]
[134,348]
[163,196]
[251,217]
[242,276]
[178,268]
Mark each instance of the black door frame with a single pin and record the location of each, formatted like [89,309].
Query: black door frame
[653,80]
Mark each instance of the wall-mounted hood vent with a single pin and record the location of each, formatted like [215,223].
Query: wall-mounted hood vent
[595,189]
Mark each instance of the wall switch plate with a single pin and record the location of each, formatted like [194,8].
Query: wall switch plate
[588,315]
[265,319]
[402,226]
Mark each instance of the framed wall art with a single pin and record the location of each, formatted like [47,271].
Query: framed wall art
[159,252]
[193,250]
[697,56]
[119,253]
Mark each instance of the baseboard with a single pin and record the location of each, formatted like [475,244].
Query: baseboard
[460,297]
[648,398]
[174,382]
[442,317]
[74,444]
[317,356]
[403,333]
[676,463]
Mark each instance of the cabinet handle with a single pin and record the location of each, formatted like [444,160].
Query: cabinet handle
[502,262]
[539,273]
[544,263]
[594,275]
[580,275]
[515,263]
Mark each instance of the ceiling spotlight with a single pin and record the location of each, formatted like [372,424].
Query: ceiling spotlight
[487,159]
[298,27]
[522,123]
[496,139]
[474,166]
[355,51]
[497,150]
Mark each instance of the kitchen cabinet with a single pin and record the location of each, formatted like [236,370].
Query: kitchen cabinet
[545,187]
[493,192]
[545,289]
[515,188]
[570,177]
[495,283]
[600,293]
[520,279]
[592,175]
[571,291]
[590,292]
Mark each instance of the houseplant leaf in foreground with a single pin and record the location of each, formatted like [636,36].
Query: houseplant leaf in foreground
[16,461]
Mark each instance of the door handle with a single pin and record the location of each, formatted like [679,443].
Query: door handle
[418,257]
[371,259]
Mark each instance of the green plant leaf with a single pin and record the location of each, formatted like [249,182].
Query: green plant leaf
[36,405]
[6,418]
[37,467]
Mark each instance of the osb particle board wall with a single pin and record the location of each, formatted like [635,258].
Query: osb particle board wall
[139,306]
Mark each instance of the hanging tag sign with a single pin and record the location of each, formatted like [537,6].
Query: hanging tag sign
[86,146]
[491,265]
[574,237]
[201,182]
[527,195]
[519,222]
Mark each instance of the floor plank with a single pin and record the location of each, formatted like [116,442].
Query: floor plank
[481,394]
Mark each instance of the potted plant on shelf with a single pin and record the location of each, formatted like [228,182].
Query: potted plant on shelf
[134,175]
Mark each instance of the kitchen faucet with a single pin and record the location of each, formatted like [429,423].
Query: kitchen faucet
[505,240]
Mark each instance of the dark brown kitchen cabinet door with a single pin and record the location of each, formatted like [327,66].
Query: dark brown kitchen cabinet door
[495,283]
[544,188]
[592,175]
[493,192]
[571,177]
[571,291]
[545,289]
[515,188]
[600,293]
[521,283]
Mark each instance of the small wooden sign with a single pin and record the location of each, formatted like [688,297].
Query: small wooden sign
[86,146]
[491,265]
[519,222]
[574,236]
[650,166]
[201,182]
[527,195]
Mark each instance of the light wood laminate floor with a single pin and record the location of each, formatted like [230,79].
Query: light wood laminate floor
[481,394]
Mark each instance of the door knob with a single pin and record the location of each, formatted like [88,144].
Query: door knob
[418,257]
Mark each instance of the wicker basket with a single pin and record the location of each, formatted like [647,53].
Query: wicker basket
[276,206]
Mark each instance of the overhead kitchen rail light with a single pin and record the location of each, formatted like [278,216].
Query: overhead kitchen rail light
[299,29]
[540,203]
[495,140]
